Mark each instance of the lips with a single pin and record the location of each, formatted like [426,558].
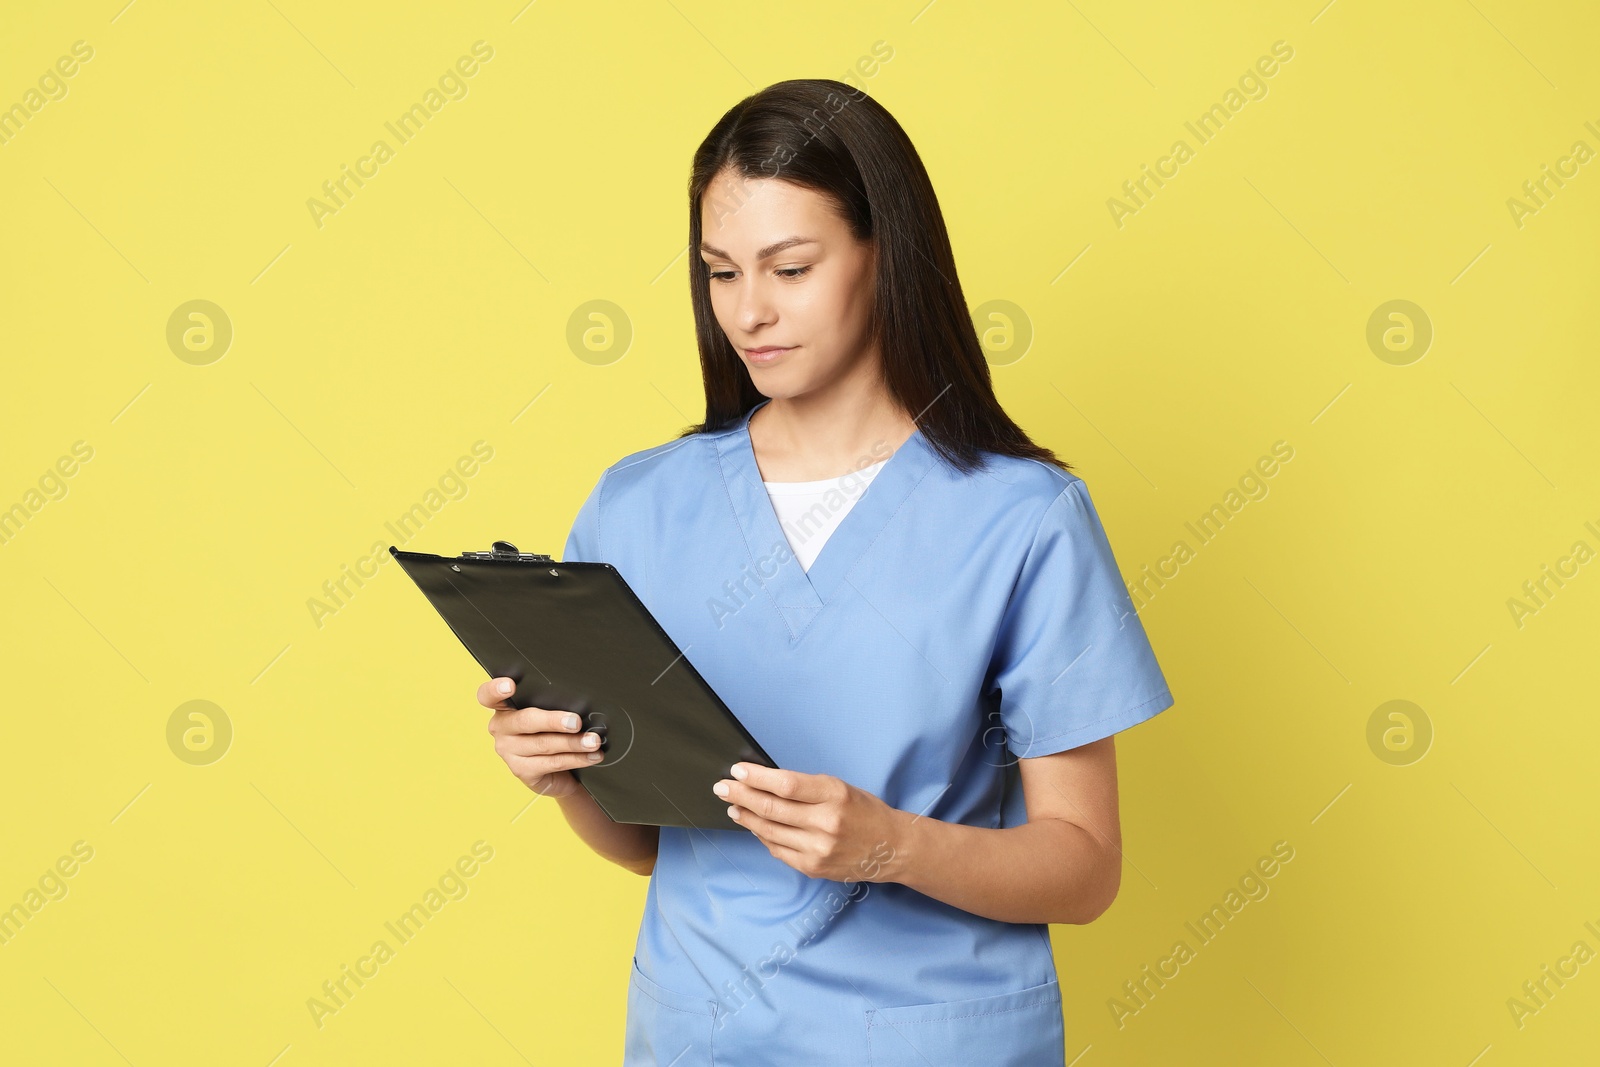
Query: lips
[766,353]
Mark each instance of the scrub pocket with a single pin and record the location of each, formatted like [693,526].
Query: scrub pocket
[666,1027]
[1021,1029]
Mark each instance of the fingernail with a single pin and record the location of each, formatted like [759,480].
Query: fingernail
[721,789]
[505,687]
[572,722]
[739,771]
[590,740]
[733,812]
[596,757]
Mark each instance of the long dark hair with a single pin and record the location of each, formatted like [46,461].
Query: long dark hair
[835,139]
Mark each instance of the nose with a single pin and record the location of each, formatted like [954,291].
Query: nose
[754,306]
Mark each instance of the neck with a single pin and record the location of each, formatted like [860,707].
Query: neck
[827,433]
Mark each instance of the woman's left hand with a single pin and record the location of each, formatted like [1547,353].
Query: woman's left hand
[820,825]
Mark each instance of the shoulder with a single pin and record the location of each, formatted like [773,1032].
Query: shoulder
[629,494]
[667,465]
[1021,491]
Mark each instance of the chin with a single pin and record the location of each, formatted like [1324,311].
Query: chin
[774,387]
[773,382]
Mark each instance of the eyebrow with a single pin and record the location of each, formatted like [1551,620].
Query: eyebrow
[767,252]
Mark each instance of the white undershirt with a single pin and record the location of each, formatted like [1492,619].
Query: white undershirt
[809,512]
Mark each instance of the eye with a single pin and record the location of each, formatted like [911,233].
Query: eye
[788,273]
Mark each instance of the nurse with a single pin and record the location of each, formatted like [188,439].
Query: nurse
[909,603]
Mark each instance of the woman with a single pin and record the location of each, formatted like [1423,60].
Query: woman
[937,660]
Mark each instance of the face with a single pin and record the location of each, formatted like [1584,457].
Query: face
[787,275]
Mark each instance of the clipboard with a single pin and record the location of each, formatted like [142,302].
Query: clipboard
[575,637]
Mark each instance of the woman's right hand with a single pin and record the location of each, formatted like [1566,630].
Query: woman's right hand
[540,746]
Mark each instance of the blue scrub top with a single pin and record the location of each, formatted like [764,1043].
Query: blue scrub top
[952,624]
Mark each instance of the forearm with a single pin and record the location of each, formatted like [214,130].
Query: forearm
[1044,871]
[628,845]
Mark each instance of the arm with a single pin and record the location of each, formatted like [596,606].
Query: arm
[626,844]
[1064,865]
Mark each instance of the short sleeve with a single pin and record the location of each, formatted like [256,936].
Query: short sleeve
[1071,660]
[583,542]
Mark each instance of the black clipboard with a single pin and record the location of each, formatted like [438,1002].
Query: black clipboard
[575,637]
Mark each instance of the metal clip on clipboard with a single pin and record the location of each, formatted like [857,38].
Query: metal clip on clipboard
[507,550]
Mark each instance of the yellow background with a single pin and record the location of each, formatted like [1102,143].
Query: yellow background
[371,353]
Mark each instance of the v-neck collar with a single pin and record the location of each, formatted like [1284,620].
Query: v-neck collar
[797,593]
